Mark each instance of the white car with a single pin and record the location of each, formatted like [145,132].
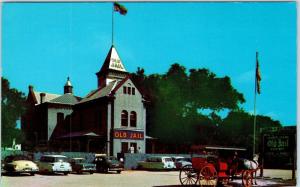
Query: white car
[157,163]
[54,164]
[168,162]
[181,161]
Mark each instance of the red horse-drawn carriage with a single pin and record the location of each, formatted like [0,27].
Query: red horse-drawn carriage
[216,165]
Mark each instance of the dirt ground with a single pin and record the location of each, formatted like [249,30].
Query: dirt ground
[131,179]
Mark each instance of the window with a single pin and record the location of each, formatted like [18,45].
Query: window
[129,90]
[132,119]
[124,118]
[133,91]
[124,89]
[60,117]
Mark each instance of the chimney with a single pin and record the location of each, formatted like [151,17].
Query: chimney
[42,95]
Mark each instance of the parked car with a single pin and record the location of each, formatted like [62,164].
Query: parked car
[19,164]
[80,165]
[106,163]
[157,163]
[54,164]
[181,161]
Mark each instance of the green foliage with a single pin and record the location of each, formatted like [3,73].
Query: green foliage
[177,101]
[237,128]
[13,106]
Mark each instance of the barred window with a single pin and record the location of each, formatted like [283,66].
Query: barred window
[132,119]
[124,118]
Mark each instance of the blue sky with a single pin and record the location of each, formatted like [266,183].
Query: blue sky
[43,43]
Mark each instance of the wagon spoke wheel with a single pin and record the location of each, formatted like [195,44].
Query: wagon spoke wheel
[208,176]
[247,178]
[188,175]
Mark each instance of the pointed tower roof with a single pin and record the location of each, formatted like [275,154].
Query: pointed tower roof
[112,62]
[68,83]
[68,88]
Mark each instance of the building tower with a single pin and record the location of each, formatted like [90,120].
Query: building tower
[112,69]
[68,88]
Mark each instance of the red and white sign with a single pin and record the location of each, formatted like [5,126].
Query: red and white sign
[127,134]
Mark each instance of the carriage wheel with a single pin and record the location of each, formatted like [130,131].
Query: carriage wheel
[247,178]
[188,175]
[208,176]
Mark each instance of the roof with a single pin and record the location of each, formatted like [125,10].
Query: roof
[112,62]
[209,147]
[66,99]
[100,92]
[54,156]
[68,83]
[79,134]
[48,96]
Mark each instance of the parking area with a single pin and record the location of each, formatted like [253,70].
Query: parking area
[128,179]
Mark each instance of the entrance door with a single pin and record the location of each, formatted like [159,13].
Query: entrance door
[124,147]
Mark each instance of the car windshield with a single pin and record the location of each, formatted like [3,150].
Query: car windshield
[81,160]
[17,157]
[168,159]
[112,158]
[60,159]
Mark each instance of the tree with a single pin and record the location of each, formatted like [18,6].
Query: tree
[177,99]
[237,129]
[13,106]
[184,109]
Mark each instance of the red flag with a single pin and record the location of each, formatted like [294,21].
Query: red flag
[257,75]
[120,8]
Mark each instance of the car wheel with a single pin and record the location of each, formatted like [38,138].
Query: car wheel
[119,171]
[91,172]
[66,173]
[32,174]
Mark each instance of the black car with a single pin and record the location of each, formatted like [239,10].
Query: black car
[106,164]
[80,165]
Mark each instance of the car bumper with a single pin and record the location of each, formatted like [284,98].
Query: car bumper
[88,170]
[115,169]
[25,170]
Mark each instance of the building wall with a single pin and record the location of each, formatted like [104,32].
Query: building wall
[52,118]
[129,103]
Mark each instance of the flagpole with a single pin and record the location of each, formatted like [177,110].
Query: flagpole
[254,113]
[112,25]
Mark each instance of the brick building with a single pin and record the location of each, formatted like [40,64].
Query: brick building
[110,119]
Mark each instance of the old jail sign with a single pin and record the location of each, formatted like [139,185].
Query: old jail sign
[127,134]
[279,142]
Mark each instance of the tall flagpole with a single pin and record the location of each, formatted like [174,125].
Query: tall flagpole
[254,113]
[112,26]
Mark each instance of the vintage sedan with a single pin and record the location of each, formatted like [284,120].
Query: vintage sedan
[157,163]
[80,165]
[181,161]
[106,163]
[19,164]
[54,164]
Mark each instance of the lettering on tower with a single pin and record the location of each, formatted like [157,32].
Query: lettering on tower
[116,64]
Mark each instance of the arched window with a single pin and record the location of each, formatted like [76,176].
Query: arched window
[124,118]
[132,119]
